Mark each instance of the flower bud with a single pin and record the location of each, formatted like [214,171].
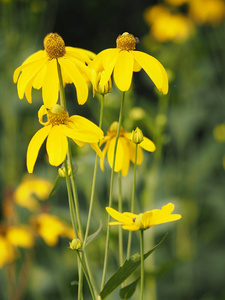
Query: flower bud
[101,89]
[76,244]
[137,136]
[62,172]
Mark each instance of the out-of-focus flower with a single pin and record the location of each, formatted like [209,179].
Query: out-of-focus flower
[12,237]
[133,222]
[56,129]
[30,189]
[207,11]
[176,2]
[166,26]
[123,60]
[50,228]
[219,133]
[40,70]
[125,149]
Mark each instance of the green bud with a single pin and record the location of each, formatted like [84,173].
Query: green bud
[62,172]
[137,136]
[75,244]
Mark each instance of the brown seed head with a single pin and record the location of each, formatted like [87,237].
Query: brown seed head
[54,45]
[126,41]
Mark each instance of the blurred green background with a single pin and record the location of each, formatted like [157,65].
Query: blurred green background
[186,126]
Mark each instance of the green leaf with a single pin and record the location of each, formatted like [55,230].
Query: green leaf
[127,291]
[54,186]
[94,235]
[125,271]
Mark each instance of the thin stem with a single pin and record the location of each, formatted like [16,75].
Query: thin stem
[94,179]
[120,209]
[132,202]
[111,191]
[86,275]
[142,262]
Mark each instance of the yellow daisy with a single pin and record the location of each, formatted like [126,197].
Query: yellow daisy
[133,222]
[125,149]
[123,60]
[40,70]
[56,129]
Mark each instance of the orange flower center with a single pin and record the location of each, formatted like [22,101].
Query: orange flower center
[54,45]
[126,41]
[57,115]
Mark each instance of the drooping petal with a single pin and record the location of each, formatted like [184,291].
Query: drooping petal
[103,155]
[132,150]
[56,146]
[81,54]
[119,154]
[119,216]
[154,69]
[132,227]
[108,63]
[28,74]
[147,144]
[82,123]
[35,145]
[126,157]
[78,80]
[31,59]
[97,149]
[123,71]
[50,88]
[80,135]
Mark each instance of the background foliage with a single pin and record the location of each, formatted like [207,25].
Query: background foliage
[187,168]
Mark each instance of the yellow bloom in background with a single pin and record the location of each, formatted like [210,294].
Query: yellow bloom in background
[56,129]
[133,222]
[30,189]
[20,236]
[7,251]
[219,133]
[125,149]
[166,26]
[40,71]
[123,60]
[50,228]
[207,11]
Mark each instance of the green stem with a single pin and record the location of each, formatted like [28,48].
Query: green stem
[86,275]
[142,263]
[94,179]
[132,202]
[111,191]
[120,209]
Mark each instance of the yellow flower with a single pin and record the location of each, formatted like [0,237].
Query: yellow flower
[207,11]
[40,71]
[166,26]
[125,149]
[56,129]
[8,253]
[133,222]
[30,189]
[76,244]
[50,228]
[219,133]
[123,60]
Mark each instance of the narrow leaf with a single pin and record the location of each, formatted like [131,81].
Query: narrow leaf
[54,186]
[125,271]
[94,235]
[127,291]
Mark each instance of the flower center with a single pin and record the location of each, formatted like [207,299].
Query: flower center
[57,115]
[54,45]
[126,41]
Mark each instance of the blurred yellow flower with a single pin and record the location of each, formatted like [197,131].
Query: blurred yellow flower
[8,253]
[219,133]
[40,70]
[125,149]
[50,228]
[133,222]
[123,60]
[207,11]
[166,26]
[30,189]
[56,129]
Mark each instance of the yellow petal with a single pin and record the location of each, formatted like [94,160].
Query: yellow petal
[132,227]
[126,157]
[8,253]
[97,149]
[56,145]
[123,71]
[82,123]
[119,154]
[81,54]
[147,144]
[20,236]
[132,150]
[154,69]
[109,58]
[80,135]
[78,80]
[35,145]
[50,88]
[122,218]
[164,215]
[103,155]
